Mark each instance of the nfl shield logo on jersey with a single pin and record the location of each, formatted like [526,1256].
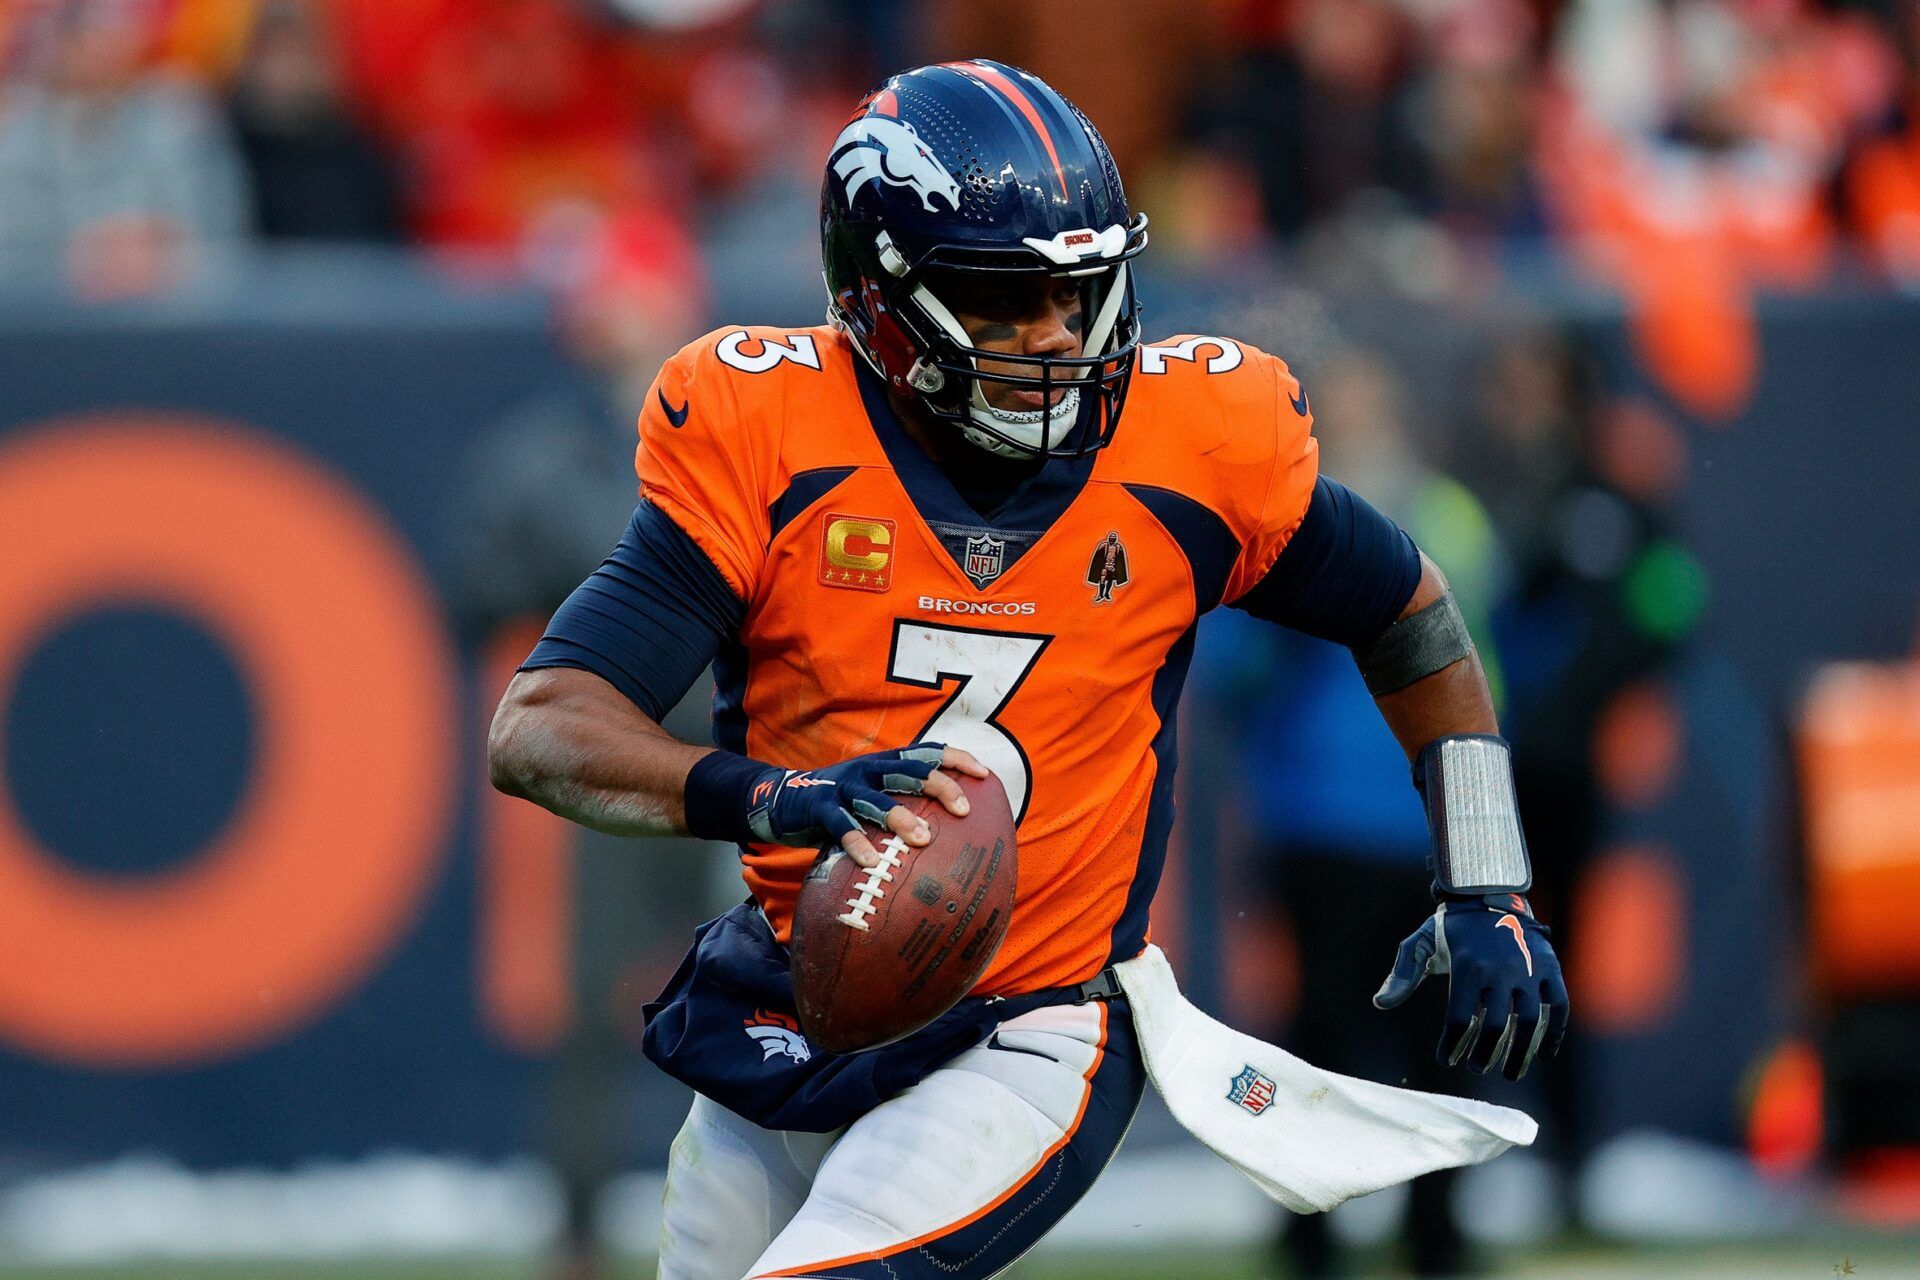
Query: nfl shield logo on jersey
[986,557]
[1250,1091]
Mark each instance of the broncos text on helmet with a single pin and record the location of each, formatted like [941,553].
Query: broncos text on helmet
[980,169]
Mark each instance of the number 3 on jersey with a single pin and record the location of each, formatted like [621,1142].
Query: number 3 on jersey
[990,666]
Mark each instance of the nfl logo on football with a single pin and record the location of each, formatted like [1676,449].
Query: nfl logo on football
[1250,1091]
[986,556]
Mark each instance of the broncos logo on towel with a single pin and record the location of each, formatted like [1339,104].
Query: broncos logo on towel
[877,148]
[778,1033]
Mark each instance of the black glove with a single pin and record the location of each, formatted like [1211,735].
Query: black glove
[1506,1000]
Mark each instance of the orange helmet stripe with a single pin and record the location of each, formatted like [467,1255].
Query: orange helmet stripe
[1011,92]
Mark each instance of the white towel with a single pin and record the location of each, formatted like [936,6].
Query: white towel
[1308,1138]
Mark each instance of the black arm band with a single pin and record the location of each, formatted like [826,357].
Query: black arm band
[1473,816]
[719,796]
[1429,640]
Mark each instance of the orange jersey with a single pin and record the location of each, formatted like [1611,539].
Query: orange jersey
[1052,642]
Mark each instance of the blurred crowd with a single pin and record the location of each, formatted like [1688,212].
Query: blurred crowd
[1430,136]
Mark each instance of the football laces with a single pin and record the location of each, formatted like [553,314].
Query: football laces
[869,889]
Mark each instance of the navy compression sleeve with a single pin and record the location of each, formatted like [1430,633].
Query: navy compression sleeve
[648,620]
[1344,576]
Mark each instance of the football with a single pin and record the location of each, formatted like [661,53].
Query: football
[879,953]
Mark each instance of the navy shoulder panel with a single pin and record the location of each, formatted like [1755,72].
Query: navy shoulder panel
[805,489]
[1209,545]
[1344,576]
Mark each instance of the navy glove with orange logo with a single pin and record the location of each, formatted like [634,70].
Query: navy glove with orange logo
[1506,1000]
[814,806]
[735,798]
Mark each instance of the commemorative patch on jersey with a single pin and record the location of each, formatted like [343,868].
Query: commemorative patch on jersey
[1251,1091]
[1107,571]
[856,552]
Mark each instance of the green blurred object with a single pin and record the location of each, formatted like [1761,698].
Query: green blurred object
[1666,590]
[1449,524]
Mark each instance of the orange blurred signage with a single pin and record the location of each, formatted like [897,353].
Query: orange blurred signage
[1859,756]
[335,840]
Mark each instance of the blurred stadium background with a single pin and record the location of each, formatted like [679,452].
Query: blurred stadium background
[322,325]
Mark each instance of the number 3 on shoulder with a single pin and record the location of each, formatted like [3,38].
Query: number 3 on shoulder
[1225,358]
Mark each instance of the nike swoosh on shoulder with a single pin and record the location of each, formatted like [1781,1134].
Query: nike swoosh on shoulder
[678,417]
[1299,401]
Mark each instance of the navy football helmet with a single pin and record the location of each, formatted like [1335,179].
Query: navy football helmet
[979,167]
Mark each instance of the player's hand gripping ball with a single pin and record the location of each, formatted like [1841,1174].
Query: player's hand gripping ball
[880,951]
[1506,1000]
[814,806]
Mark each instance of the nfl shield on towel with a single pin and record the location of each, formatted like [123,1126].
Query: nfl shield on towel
[1251,1090]
[986,556]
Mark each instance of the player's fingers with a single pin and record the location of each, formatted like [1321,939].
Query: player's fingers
[947,792]
[1496,1035]
[855,841]
[1466,1016]
[926,753]
[907,824]
[1409,968]
[877,809]
[905,771]
[1554,996]
[905,777]
[868,805]
[964,762]
[1463,1042]
[1529,1029]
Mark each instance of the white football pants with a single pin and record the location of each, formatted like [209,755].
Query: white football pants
[953,1179]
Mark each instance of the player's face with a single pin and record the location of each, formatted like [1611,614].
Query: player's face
[1022,316]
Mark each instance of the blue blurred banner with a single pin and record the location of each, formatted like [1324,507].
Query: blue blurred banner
[239,729]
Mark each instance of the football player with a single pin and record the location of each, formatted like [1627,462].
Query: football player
[971,522]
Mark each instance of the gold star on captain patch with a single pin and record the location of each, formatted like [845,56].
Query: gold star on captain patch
[1844,1267]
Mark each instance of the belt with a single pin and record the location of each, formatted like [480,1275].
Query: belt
[1104,985]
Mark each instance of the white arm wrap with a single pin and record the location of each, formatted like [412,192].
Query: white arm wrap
[1473,815]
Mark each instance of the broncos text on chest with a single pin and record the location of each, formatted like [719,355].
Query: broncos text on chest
[1002,608]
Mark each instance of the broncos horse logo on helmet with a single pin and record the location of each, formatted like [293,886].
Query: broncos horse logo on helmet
[875,148]
[979,167]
